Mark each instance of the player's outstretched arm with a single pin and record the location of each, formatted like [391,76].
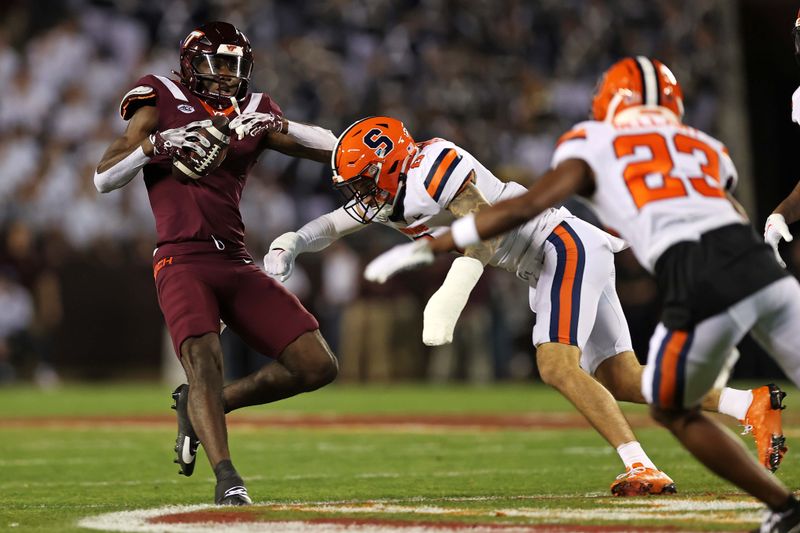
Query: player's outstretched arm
[312,237]
[573,176]
[445,305]
[302,140]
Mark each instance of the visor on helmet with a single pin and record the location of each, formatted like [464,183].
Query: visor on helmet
[363,199]
[230,66]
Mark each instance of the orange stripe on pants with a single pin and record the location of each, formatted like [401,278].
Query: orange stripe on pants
[669,368]
[567,284]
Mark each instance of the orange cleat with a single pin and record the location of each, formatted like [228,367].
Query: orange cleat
[641,481]
[763,420]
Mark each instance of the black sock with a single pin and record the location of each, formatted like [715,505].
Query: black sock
[225,470]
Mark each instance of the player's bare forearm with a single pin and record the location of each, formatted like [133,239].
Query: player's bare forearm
[141,125]
[470,200]
[570,177]
[790,206]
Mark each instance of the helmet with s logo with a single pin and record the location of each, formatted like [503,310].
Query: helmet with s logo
[369,163]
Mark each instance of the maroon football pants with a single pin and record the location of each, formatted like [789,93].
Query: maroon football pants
[198,285]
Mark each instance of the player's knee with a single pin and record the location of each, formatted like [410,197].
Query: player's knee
[321,370]
[554,368]
[200,355]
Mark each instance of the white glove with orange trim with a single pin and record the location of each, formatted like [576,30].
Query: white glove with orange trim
[398,258]
[445,306]
[776,229]
[279,261]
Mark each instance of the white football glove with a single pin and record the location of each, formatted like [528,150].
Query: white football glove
[279,261]
[796,106]
[401,257]
[445,306]
[170,142]
[776,229]
[253,123]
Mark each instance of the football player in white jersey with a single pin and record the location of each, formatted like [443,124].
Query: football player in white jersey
[663,186]
[419,188]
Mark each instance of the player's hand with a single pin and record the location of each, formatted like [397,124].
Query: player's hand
[254,123]
[170,142]
[279,261]
[796,106]
[402,257]
[775,230]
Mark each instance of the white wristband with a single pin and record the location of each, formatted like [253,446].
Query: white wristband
[465,232]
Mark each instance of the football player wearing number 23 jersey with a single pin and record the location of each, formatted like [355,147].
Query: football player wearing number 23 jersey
[203,273]
[568,265]
[664,187]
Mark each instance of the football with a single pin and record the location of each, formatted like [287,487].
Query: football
[191,165]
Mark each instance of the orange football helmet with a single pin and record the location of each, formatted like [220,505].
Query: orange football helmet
[369,163]
[636,81]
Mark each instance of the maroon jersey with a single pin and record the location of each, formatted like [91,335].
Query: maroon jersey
[204,209]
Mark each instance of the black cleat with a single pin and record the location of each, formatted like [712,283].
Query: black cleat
[231,491]
[186,443]
[781,522]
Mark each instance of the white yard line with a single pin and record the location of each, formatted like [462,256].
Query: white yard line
[669,510]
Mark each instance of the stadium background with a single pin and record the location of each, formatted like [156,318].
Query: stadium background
[502,79]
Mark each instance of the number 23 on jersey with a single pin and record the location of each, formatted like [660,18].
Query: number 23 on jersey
[661,163]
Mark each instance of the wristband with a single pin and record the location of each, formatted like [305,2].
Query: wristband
[465,232]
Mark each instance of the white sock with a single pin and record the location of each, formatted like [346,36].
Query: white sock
[632,452]
[735,403]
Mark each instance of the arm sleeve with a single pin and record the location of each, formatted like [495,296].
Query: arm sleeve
[322,231]
[120,174]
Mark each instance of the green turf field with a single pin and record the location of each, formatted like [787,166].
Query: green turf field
[59,467]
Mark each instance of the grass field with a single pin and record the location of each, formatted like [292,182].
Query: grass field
[435,458]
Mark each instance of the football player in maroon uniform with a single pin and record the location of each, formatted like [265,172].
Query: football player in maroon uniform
[203,273]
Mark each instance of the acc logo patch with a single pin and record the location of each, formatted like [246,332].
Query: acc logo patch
[185,108]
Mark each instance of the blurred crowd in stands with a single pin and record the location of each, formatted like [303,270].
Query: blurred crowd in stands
[503,79]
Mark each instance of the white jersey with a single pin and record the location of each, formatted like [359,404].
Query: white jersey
[658,182]
[437,174]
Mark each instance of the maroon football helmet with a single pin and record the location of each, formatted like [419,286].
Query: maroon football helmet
[216,63]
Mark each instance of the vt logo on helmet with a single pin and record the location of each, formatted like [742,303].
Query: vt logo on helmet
[216,62]
[369,163]
[635,85]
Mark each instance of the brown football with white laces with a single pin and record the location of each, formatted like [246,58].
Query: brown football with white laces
[190,164]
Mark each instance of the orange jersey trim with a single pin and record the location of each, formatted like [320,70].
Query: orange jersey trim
[571,135]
